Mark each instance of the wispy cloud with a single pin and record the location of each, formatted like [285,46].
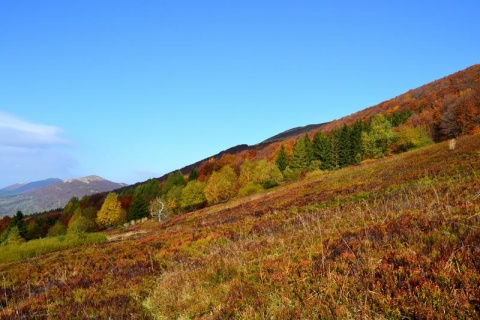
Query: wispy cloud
[18,132]
[31,151]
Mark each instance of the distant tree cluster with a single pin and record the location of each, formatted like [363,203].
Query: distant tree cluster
[349,145]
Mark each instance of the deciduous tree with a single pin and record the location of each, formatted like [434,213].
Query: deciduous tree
[377,142]
[193,196]
[111,213]
[221,186]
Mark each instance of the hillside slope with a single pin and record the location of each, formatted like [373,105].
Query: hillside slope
[393,238]
[447,107]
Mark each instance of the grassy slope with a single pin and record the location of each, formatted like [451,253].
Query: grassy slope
[395,238]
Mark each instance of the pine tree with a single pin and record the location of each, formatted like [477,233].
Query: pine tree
[300,157]
[344,148]
[138,209]
[308,149]
[322,151]
[174,179]
[356,142]
[335,141]
[193,175]
[282,159]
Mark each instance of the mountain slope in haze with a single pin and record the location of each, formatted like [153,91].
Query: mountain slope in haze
[52,193]
[20,188]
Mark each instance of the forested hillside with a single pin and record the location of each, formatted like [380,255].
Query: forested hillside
[371,216]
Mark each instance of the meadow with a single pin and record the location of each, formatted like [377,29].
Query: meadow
[394,238]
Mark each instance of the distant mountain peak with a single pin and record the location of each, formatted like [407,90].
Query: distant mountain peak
[87,179]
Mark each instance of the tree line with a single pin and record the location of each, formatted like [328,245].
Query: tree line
[220,181]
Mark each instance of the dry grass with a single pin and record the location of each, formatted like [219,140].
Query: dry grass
[396,238]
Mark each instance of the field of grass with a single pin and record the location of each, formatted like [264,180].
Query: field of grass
[397,238]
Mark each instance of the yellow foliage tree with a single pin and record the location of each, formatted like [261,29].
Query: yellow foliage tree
[111,213]
[221,186]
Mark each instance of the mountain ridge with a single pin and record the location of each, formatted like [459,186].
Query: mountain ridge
[52,193]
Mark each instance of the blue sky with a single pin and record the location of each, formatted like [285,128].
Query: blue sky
[130,90]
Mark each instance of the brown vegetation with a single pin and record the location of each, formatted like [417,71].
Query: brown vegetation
[397,237]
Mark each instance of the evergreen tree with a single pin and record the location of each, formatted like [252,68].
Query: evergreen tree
[300,156]
[308,149]
[138,209]
[174,179]
[193,175]
[344,147]
[19,222]
[282,159]
[356,142]
[322,151]
[335,141]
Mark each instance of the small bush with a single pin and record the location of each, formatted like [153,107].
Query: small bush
[249,189]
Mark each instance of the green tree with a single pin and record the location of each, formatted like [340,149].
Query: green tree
[148,190]
[173,179]
[111,213]
[193,196]
[18,221]
[267,174]
[193,175]
[138,209]
[82,225]
[34,231]
[300,157]
[14,236]
[222,185]
[174,197]
[377,142]
[282,159]
[322,151]
[308,149]
[58,229]
[77,214]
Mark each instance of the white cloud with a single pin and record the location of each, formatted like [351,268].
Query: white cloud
[30,151]
[18,132]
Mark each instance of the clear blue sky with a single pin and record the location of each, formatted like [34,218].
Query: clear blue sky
[130,90]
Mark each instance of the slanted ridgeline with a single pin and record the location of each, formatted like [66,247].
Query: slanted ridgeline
[363,217]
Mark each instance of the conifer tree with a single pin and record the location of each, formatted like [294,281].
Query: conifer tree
[193,175]
[335,140]
[344,147]
[282,159]
[356,142]
[174,179]
[308,149]
[138,209]
[300,157]
[322,151]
